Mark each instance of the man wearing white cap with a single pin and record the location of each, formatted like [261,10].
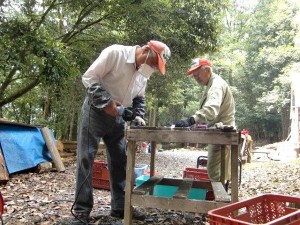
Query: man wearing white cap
[115,84]
[216,105]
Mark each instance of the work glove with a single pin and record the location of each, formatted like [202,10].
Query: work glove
[128,114]
[185,123]
[138,122]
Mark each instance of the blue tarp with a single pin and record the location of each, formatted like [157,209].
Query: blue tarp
[23,147]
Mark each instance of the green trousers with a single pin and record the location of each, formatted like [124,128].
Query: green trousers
[214,162]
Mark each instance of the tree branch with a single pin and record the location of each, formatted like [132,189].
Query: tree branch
[20,92]
[82,15]
[52,5]
[74,33]
[8,80]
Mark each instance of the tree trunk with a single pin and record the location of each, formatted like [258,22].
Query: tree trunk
[71,131]
[47,105]
[285,120]
[152,117]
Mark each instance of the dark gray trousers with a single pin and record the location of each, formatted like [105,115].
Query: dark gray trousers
[95,124]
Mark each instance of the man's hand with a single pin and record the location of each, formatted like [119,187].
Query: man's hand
[138,122]
[111,109]
[185,123]
[129,114]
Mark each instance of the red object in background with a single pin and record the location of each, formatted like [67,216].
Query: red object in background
[269,209]
[100,175]
[245,132]
[144,144]
[147,172]
[1,204]
[196,174]
[201,175]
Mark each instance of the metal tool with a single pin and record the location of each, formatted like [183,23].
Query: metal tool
[223,127]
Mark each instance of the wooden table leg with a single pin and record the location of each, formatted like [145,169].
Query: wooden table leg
[223,166]
[129,182]
[234,173]
[152,162]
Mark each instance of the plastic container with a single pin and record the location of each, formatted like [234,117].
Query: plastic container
[139,170]
[100,170]
[196,174]
[100,175]
[197,194]
[141,179]
[267,209]
[201,175]
[101,184]
[169,191]
[166,191]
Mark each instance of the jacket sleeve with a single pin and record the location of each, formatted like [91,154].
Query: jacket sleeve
[211,107]
[98,96]
[139,103]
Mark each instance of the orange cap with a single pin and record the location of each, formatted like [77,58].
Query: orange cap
[163,54]
[197,63]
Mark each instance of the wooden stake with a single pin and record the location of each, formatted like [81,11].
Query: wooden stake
[4,176]
[53,150]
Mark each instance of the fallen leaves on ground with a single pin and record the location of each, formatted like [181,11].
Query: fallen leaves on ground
[47,198]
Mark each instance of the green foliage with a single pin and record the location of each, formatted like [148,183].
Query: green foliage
[47,45]
[29,57]
[267,50]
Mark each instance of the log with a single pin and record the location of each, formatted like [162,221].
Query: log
[4,176]
[69,146]
[53,150]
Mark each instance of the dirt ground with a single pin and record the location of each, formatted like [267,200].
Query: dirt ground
[47,198]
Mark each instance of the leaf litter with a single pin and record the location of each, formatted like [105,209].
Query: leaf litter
[47,198]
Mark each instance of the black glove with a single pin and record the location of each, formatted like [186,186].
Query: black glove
[129,114]
[185,123]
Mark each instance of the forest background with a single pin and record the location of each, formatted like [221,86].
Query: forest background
[46,46]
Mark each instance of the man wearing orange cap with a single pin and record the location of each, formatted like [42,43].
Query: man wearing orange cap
[216,105]
[115,84]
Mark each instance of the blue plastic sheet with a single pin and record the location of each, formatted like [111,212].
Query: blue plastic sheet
[23,147]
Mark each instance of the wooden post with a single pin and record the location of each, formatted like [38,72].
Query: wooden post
[53,150]
[4,176]
[234,173]
[129,182]
[152,162]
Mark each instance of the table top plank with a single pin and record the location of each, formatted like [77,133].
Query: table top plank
[208,136]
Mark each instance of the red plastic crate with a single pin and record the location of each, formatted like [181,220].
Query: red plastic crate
[101,184]
[267,209]
[196,174]
[100,175]
[201,175]
[99,165]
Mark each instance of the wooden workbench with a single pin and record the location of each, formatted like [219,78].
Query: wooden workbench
[140,196]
